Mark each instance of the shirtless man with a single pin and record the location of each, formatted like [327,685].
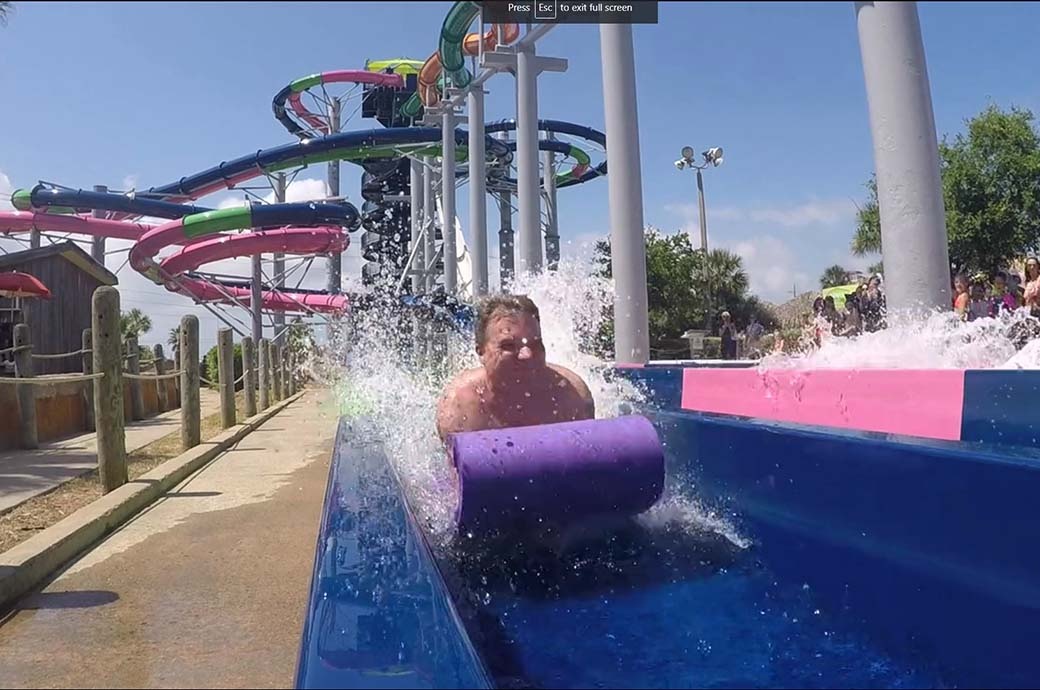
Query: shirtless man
[514,386]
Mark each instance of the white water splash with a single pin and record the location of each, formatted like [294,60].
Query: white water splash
[681,511]
[381,372]
[934,340]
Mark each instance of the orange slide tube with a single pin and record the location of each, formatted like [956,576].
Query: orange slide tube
[431,69]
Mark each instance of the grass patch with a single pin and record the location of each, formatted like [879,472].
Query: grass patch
[43,511]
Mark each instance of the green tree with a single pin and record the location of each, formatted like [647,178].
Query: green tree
[685,288]
[134,323]
[174,338]
[991,191]
[211,368]
[834,276]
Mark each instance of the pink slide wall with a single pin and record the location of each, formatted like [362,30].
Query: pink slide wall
[926,403]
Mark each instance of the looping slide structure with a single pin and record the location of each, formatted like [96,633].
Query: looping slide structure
[395,93]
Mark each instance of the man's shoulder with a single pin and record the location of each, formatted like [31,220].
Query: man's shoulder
[464,384]
[570,376]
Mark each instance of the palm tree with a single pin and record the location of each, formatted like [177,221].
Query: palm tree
[174,338]
[833,276]
[721,277]
[6,7]
[134,323]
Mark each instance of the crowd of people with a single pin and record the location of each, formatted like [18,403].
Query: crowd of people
[859,308]
[863,311]
[981,296]
[975,297]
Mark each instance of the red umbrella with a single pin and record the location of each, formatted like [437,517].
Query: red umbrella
[16,284]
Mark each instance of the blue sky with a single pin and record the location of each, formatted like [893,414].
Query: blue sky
[144,93]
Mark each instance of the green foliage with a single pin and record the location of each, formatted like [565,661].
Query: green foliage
[134,323]
[991,190]
[211,368]
[685,288]
[834,276]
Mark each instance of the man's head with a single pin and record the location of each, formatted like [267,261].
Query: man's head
[509,336]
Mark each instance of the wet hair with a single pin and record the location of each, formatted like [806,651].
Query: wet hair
[501,304]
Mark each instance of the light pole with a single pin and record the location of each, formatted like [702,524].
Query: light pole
[712,157]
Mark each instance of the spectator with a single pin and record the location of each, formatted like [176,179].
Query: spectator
[961,296]
[1003,298]
[852,324]
[754,333]
[979,306]
[872,306]
[728,331]
[830,312]
[1031,295]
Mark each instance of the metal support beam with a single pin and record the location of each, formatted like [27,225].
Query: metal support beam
[416,208]
[529,243]
[279,262]
[625,189]
[552,227]
[478,192]
[335,261]
[429,219]
[97,245]
[451,274]
[255,291]
[914,243]
[532,35]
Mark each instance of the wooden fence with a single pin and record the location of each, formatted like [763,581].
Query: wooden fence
[111,390]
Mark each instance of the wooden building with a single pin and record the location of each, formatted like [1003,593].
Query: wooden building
[56,325]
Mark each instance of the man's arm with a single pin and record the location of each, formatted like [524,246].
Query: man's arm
[453,413]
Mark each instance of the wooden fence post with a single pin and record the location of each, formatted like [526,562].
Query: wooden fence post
[191,411]
[285,372]
[133,366]
[23,369]
[276,371]
[108,390]
[226,370]
[160,384]
[88,386]
[249,375]
[265,373]
[290,372]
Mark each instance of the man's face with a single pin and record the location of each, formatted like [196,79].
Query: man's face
[513,347]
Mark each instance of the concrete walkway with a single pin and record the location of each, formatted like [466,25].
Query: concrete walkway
[207,588]
[28,473]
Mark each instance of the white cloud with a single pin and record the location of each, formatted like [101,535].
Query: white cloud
[130,182]
[772,267]
[816,212]
[307,189]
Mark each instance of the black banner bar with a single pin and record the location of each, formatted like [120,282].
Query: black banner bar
[570,12]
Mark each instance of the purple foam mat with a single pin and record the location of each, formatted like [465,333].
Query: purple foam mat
[522,477]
